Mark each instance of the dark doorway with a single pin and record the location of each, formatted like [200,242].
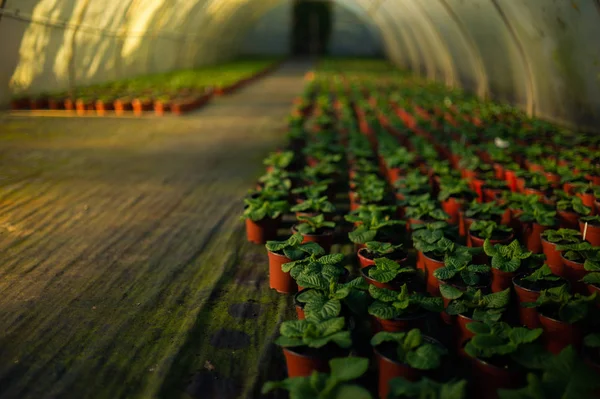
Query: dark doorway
[311,21]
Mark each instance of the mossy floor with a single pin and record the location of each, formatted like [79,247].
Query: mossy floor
[124,268]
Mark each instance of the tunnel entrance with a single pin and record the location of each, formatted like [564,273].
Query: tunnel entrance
[311,21]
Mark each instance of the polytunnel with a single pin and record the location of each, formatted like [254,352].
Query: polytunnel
[538,54]
[333,199]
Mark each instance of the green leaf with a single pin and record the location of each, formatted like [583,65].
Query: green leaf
[331,259]
[521,335]
[348,368]
[385,336]
[362,235]
[382,294]
[497,300]
[289,341]
[322,309]
[426,357]
[413,339]
[293,328]
[449,292]
[382,276]
[444,273]
[383,310]
[478,328]
[351,391]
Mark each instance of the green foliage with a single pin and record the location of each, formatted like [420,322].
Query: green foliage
[500,339]
[426,210]
[315,271]
[564,376]
[279,160]
[484,210]
[260,208]
[506,258]
[571,308]
[318,205]
[458,263]
[486,308]
[325,302]
[572,204]
[455,187]
[412,349]
[425,388]
[310,225]
[488,229]
[314,334]
[538,213]
[563,236]
[383,248]
[275,184]
[369,228]
[386,270]
[544,273]
[327,386]
[390,304]
[294,249]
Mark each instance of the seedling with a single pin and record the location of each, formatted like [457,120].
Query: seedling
[486,308]
[488,229]
[412,349]
[568,308]
[314,334]
[294,249]
[394,304]
[313,225]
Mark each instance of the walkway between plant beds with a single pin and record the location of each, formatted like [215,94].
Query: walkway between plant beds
[124,268]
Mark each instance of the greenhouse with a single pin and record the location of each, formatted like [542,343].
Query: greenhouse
[333,199]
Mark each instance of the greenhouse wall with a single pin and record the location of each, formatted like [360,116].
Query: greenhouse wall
[538,54]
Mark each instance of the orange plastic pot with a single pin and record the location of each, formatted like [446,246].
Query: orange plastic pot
[431,265]
[574,272]
[302,364]
[389,369]
[325,239]
[487,379]
[568,220]
[462,333]
[553,257]
[588,200]
[365,262]
[531,234]
[558,335]
[590,233]
[452,207]
[527,316]
[279,280]
[511,178]
[261,231]
[501,280]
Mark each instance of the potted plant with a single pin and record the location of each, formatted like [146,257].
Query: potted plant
[309,345]
[401,388]
[401,310]
[535,184]
[377,249]
[592,278]
[325,299]
[552,238]
[104,104]
[482,230]
[528,287]
[282,252]
[500,355]
[323,386]
[459,272]
[278,160]
[535,219]
[311,191]
[316,229]
[473,305]
[405,354]
[425,212]
[574,258]
[162,104]
[454,194]
[381,228]
[313,206]
[479,211]
[494,189]
[142,104]
[315,272]
[569,209]
[589,226]
[386,273]
[563,376]
[561,315]
[123,104]
[585,191]
[262,218]
[506,261]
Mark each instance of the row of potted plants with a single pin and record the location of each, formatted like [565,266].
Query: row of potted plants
[174,92]
[447,284]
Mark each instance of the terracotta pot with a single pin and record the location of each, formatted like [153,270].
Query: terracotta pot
[569,188]
[102,107]
[591,233]
[19,104]
[69,104]
[594,179]
[431,265]
[499,171]
[511,178]
[553,257]
[325,239]
[261,231]
[302,365]
[122,105]
[588,200]
[161,108]
[558,335]
[401,323]
[83,106]
[553,179]
[464,223]
[488,379]
[527,316]
[501,280]
[568,220]
[531,236]
[492,194]
[452,207]
[388,368]
[462,333]
[139,106]
[574,271]
[56,103]
[279,280]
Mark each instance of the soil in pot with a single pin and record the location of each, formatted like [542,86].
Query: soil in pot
[366,258]
[490,375]
[531,236]
[527,291]
[389,367]
[261,231]
[301,361]
[553,257]
[279,280]
[557,334]
[590,232]
[574,272]
[323,237]
[412,281]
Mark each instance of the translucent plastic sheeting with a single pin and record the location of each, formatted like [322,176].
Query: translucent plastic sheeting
[539,54]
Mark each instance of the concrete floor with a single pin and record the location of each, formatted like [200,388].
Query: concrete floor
[124,268]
